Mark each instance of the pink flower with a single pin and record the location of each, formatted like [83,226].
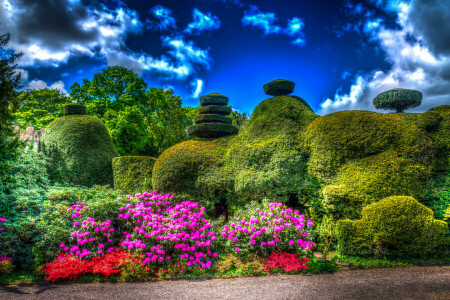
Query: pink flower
[237,249]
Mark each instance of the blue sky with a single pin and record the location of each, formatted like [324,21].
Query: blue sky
[340,54]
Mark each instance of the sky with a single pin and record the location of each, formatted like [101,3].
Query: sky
[339,53]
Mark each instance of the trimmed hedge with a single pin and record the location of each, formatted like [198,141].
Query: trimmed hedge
[279,87]
[213,118]
[74,109]
[211,130]
[214,109]
[398,99]
[80,150]
[214,99]
[133,173]
[397,226]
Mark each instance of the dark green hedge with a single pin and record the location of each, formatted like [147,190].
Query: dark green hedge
[398,226]
[214,109]
[80,150]
[133,174]
[74,109]
[211,130]
[213,99]
[398,99]
[279,87]
[213,118]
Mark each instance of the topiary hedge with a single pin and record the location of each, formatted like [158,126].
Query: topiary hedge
[398,99]
[133,173]
[211,130]
[212,119]
[80,150]
[279,87]
[214,109]
[397,226]
[214,99]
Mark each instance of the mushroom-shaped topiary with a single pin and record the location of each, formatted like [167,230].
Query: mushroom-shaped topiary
[398,99]
[279,87]
[213,99]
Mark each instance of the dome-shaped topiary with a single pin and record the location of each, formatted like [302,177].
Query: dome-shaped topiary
[213,99]
[398,99]
[279,87]
[80,150]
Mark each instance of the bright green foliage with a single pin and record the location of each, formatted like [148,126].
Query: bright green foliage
[214,109]
[133,174]
[397,226]
[212,119]
[279,87]
[262,160]
[370,179]
[334,139]
[9,83]
[441,139]
[398,99]
[438,197]
[39,107]
[80,150]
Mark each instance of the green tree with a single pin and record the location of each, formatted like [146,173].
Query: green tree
[398,99]
[39,107]
[9,83]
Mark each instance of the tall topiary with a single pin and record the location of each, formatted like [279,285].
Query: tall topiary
[398,99]
[80,149]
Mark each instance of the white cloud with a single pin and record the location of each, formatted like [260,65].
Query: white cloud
[413,66]
[164,18]
[197,84]
[37,84]
[266,21]
[202,22]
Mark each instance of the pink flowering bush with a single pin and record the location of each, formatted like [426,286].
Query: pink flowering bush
[267,228]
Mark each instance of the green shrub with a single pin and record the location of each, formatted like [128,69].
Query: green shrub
[396,226]
[211,130]
[212,119]
[214,99]
[6,267]
[133,173]
[398,99]
[279,87]
[214,109]
[80,150]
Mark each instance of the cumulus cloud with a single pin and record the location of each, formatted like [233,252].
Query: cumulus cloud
[267,22]
[90,28]
[414,65]
[37,84]
[163,18]
[197,86]
[202,22]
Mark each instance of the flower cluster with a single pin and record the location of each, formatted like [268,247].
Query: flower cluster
[274,227]
[4,258]
[1,221]
[68,266]
[286,261]
[166,231]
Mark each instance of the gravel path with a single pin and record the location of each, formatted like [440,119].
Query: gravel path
[400,283]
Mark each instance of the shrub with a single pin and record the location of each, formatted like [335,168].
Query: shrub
[288,262]
[398,99]
[214,109]
[267,229]
[212,119]
[133,174]
[211,130]
[397,226]
[6,266]
[279,87]
[80,150]
[214,99]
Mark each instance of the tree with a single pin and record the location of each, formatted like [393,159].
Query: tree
[9,83]
[238,119]
[39,107]
[398,99]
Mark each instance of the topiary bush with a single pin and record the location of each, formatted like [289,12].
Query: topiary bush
[279,87]
[133,174]
[212,118]
[80,150]
[396,226]
[214,99]
[214,109]
[398,99]
[211,130]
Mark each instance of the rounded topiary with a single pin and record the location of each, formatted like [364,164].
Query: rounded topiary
[211,130]
[212,118]
[80,150]
[279,87]
[74,109]
[398,226]
[133,173]
[213,99]
[214,109]
[398,99]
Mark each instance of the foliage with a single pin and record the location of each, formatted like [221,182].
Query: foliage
[133,174]
[325,235]
[80,150]
[397,226]
[288,262]
[438,197]
[39,107]
[279,87]
[267,228]
[398,99]
[369,263]
[9,83]
[251,264]
[213,99]
[6,266]
[211,130]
